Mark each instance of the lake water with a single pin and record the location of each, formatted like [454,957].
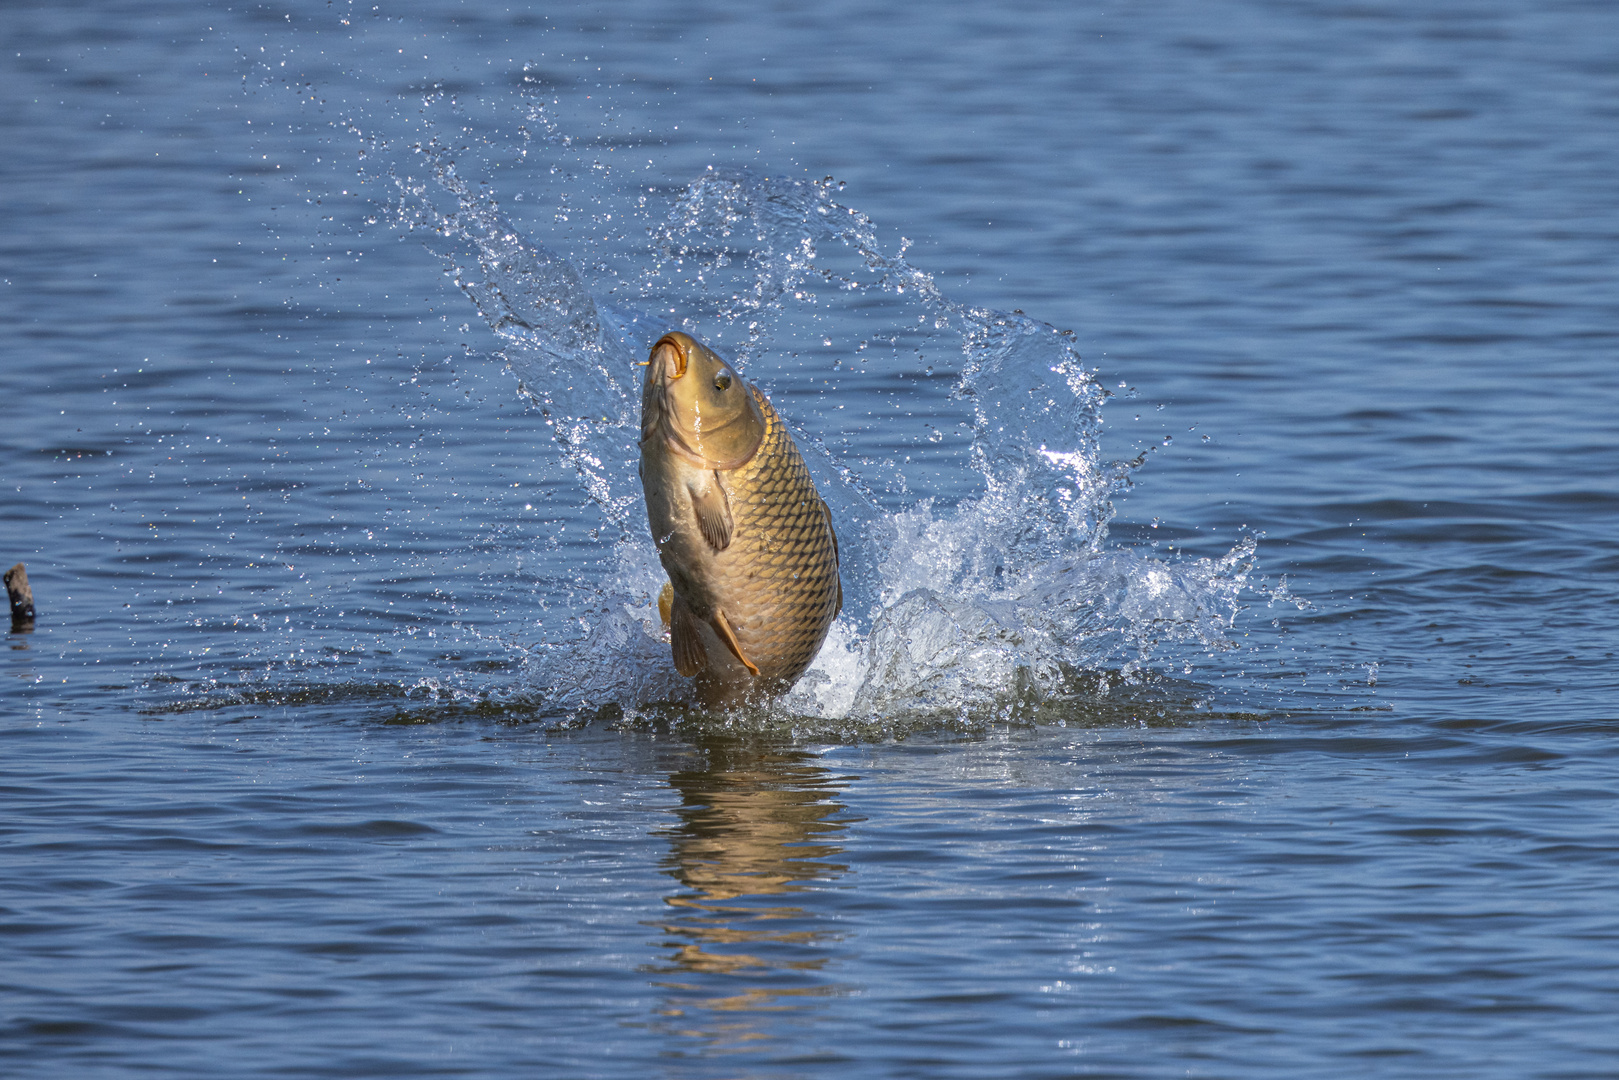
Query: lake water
[1217,404]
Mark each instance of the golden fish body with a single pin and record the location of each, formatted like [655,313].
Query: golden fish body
[742,533]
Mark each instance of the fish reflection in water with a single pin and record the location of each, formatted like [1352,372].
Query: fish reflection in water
[757,831]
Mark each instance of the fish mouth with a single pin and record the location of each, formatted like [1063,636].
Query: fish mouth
[669,358]
[666,363]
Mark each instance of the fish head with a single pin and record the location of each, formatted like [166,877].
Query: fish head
[698,405]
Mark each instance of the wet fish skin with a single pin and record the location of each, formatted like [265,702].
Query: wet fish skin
[746,540]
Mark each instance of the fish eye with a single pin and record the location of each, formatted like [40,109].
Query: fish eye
[722,381]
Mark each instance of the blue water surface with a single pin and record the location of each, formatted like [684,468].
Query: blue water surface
[315,764]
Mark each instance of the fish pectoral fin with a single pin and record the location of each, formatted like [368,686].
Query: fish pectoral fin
[684,642]
[722,627]
[713,515]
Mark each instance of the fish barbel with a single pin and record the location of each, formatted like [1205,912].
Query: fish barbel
[746,540]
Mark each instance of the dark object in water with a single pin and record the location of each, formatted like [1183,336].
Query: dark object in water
[22,600]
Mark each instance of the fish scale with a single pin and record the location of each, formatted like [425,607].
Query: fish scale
[780,583]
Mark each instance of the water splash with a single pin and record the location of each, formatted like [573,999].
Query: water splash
[573,357]
[1008,594]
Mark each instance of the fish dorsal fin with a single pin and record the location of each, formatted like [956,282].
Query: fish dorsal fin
[837,559]
[684,642]
[722,627]
[713,515]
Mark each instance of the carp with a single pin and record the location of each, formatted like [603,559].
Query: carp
[745,538]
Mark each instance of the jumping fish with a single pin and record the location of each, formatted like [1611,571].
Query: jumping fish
[746,540]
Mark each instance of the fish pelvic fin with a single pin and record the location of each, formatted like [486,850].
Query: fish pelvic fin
[722,627]
[666,602]
[713,514]
[684,642]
